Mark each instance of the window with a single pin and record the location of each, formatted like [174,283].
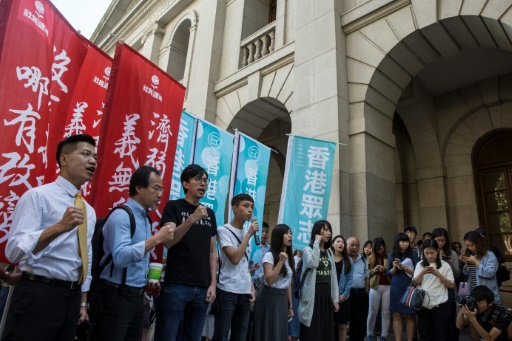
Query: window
[493,165]
[272,10]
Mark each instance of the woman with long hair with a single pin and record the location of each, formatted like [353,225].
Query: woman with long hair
[379,289]
[345,275]
[480,264]
[319,297]
[440,235]
[274,302]
[435,276]
[401,263]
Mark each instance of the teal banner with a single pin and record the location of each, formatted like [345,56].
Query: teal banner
[306,186]
[184,153]
[249,174]
[213,151]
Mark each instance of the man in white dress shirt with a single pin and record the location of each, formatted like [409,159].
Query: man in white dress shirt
[50,238]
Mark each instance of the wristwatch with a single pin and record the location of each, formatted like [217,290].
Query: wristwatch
[85,304]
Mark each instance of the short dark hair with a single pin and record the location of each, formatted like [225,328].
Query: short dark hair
[70,144]
[264,225]
[237,199]
[190,172]
[427,234]
[481,292]
[141,178]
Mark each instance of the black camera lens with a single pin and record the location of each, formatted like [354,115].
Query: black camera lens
[461,300]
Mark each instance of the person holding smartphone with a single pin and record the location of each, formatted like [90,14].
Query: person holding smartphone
[401,263]
[379,289]
[480,264]
[435,276]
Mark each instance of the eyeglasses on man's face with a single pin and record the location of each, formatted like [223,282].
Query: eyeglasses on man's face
[157,188]
[201,180]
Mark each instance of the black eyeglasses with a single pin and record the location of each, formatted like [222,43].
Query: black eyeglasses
[200,180]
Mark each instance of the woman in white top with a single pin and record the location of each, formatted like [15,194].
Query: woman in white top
[435,276]
[274,302]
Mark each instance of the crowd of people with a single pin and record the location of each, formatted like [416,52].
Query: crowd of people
[340,289]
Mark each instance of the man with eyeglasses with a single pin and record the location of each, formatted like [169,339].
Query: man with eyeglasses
[117,305]
[50,238]
[190,277]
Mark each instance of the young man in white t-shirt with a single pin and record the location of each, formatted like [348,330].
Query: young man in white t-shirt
[235,291]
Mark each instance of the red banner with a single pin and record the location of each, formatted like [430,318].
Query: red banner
[142,113]
[40,58]
[85,112]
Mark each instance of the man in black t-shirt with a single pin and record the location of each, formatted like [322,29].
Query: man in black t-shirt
[190,277]
[488,320]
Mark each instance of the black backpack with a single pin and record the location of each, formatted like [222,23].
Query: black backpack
[97,249]
[298,280]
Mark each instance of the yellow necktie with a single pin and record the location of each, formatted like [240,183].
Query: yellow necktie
[82,238]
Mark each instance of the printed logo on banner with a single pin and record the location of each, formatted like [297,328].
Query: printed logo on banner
[152,89]
[33,12]
[214,140]
[254,153]
[106,77]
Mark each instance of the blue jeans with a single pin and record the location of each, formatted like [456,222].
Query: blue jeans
[233,312]
[178,303]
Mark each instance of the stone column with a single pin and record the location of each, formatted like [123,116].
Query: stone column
[151,41]
[320,107]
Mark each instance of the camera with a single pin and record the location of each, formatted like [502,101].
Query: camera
[470,301]
[501,312]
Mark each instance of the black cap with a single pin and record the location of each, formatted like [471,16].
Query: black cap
[410,228]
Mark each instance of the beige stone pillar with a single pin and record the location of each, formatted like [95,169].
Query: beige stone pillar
[151,41]
[320,107]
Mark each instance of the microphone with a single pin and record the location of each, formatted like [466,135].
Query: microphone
[256,236]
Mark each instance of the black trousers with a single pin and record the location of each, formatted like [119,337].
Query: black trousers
[358,314]
[40,311]
[116,314]
[434,324]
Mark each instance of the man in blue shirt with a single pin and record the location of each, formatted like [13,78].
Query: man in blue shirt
[117,307]
[358,292]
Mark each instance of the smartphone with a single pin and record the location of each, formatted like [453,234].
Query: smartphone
[290,318]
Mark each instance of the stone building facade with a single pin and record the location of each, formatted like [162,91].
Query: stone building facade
[417,92]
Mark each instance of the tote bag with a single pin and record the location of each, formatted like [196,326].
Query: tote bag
[415,298]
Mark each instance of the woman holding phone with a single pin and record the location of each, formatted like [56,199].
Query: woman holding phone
[435,276]
[401,263]
[480,264]
[274,303]
[379,288]
[319,298]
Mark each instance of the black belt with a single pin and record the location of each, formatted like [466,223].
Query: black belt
[127,288]
[52,281]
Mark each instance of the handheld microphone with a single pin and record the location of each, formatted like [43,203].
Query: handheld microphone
[256,236]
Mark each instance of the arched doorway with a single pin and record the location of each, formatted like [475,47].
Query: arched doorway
[268,121]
